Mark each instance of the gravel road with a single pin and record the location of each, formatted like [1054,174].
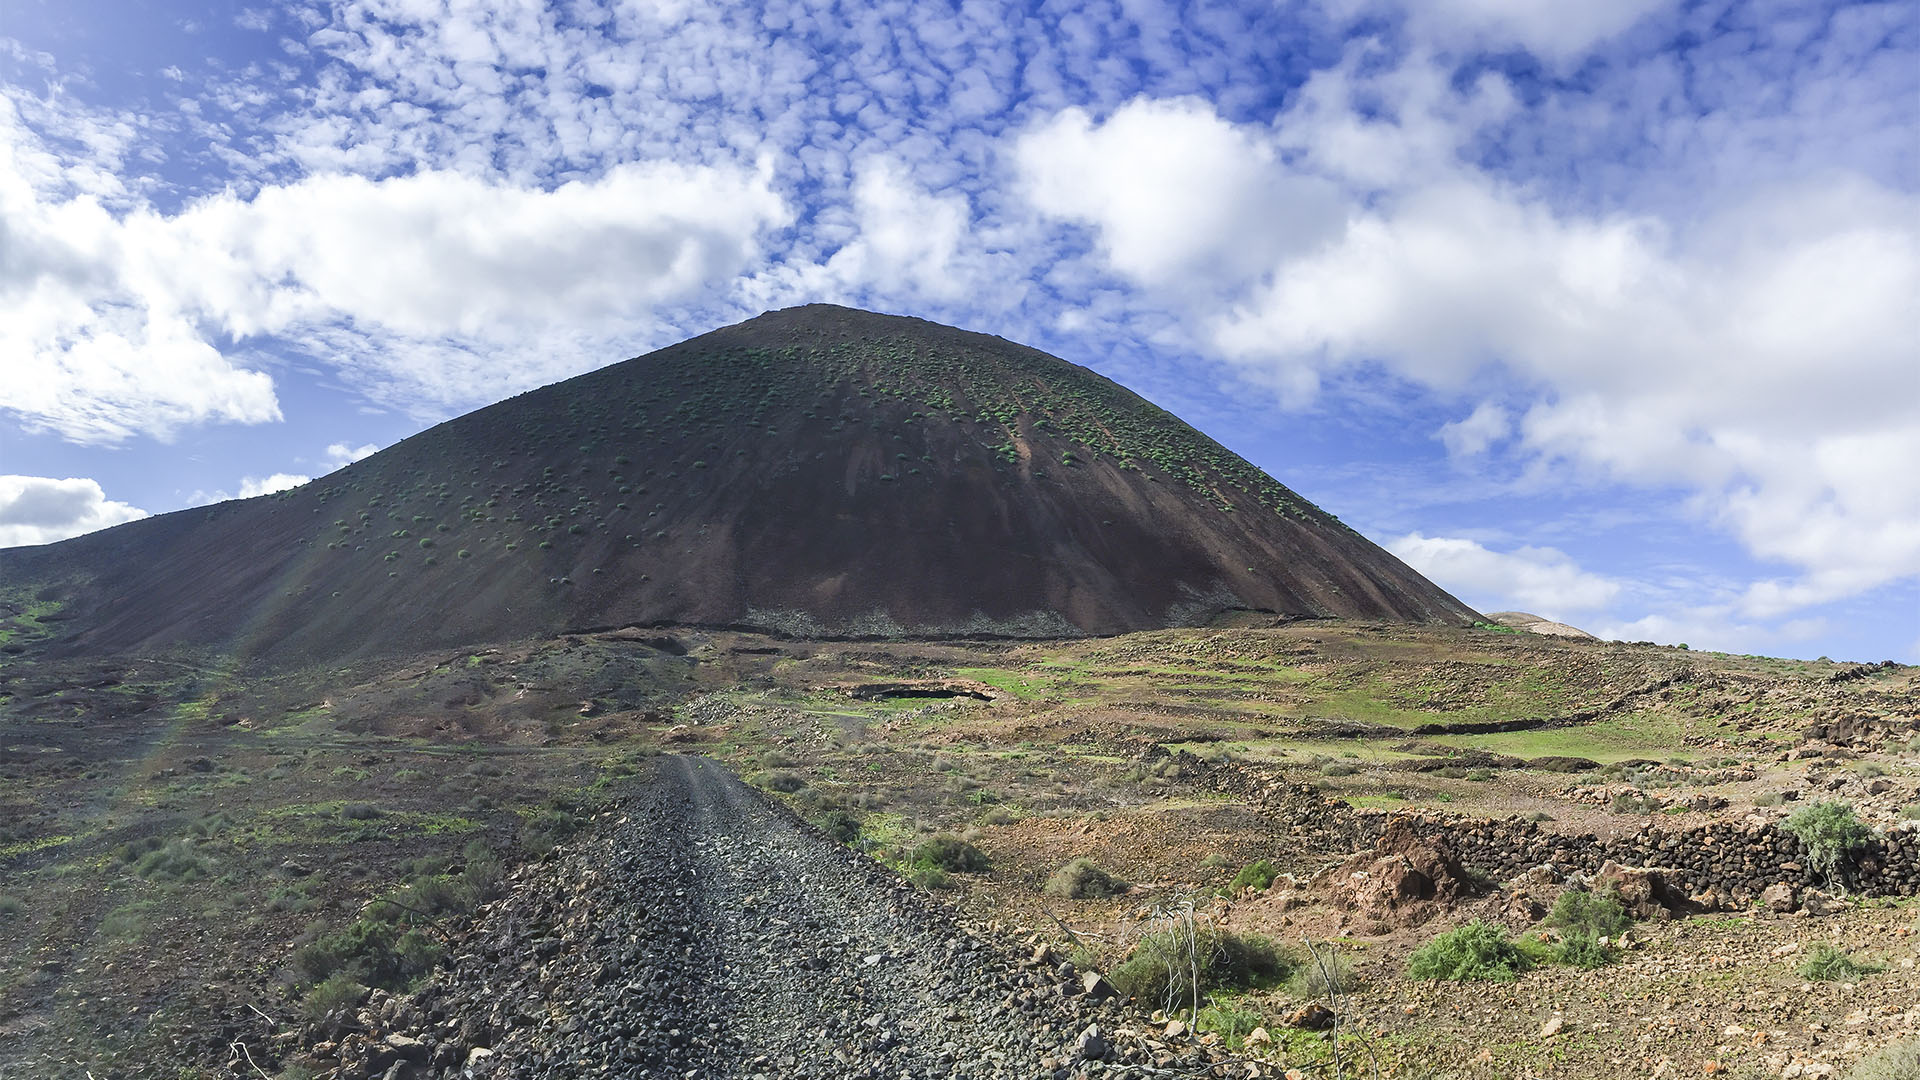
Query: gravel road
[709,934]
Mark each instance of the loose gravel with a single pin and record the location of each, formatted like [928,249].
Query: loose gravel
[710,934]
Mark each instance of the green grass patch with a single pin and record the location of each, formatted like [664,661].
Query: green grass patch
[1636,735]
[38,843]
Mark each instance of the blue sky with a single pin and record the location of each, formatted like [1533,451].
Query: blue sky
[1602,311]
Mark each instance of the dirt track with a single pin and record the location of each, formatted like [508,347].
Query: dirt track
[711,935]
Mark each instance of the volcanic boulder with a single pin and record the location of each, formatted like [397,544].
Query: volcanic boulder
[1404,880]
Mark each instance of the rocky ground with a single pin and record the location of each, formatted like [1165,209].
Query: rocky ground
[709,934]
[175,836]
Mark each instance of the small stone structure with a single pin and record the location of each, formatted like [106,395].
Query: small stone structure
[1718,865]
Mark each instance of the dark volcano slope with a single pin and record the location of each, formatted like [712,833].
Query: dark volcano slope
[814,471]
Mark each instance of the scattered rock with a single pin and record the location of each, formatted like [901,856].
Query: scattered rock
[1311,1018]
[1643,891]
[1406,879]
[1096,988]
[1091,1045]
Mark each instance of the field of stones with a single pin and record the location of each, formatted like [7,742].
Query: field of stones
[1310,848]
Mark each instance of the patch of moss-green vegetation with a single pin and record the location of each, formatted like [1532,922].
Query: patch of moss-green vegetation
[1020,684]
[28,847]
[27,615]
[345,822]
[1617,738]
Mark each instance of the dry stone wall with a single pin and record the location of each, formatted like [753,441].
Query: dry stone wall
[1723,864]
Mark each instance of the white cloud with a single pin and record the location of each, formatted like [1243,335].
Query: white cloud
[85,357]
[1176,195]
[907,236]
[251,486]
[1489,423]
[1551,29]
[41,510]
[1760,355]
[117,324]
[1713,627]
[1534,579]
[339,455]
[440,253]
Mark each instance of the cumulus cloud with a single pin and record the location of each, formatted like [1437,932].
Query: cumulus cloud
[1535,579]
[41,509]
[1164,183]
[1726,355]
[907,236]
[339,455]
[1487,424]
[441,253]
[1711,627]
[118,324]
[251,486]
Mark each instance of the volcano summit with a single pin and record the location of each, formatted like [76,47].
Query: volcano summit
[817,471]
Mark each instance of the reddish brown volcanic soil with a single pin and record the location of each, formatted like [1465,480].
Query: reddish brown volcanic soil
[816,471]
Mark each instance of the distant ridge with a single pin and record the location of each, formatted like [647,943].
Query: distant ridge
[816,471]
[1538,624]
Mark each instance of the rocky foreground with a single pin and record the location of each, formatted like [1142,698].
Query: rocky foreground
[709,934]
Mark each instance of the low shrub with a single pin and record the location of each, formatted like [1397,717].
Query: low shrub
[1831,835]
[1323,978]
[1633,802]
[1582,949]
[128,921]
[1230,1021]
[174,861]
[1830,963]
[292,897]
[952,854]
[1338,768]
[1082,880]
[336,993]
[1899,1061]
[370,950]
[1595,914]
[839,825]
[1000,815]
[1477,952]
[928,876]
[549,827]
[1167,967]
[786,783]
[1257,875]
[11,906]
